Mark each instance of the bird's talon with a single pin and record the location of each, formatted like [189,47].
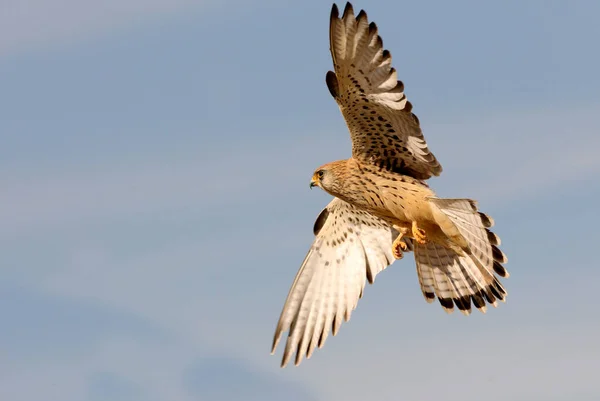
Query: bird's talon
[419,234]
[398,247]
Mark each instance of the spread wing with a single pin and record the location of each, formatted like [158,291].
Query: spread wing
[350,246]
[382,127]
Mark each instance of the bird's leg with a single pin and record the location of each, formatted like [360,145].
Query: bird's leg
[419,234]
[399,246]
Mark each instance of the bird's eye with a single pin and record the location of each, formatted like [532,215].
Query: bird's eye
[320,174]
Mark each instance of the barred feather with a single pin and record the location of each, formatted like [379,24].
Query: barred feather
[468,279]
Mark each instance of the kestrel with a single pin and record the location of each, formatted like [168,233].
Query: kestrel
[382,206]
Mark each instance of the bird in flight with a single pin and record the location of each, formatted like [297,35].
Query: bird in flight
[382,206]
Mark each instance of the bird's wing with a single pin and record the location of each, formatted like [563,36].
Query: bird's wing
[382,127]
[350,246]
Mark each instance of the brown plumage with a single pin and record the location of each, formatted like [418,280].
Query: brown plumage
[382,207]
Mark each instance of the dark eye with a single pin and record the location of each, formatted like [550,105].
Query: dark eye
[320,174]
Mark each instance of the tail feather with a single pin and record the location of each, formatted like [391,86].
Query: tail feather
[467,279]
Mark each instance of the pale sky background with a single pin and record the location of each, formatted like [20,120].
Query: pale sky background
[154,204]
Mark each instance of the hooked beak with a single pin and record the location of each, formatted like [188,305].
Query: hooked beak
[313,183]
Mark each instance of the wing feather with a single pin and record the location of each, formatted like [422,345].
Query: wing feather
[350,247]
[383,129]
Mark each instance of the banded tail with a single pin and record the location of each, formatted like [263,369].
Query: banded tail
[468,277]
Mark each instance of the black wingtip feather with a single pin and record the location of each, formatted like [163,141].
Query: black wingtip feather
[361,14]
[486,220]
[372,28]
[499,269]
[463,303]
[446,303]
[348,10]
[478,300]
[398,88]
[489,296]
[332,84]
[498,255]
[493,238]
[320,222]
[335,12]
[499,287]
[496,292]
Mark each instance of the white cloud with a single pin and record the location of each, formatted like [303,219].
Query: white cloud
[26,24]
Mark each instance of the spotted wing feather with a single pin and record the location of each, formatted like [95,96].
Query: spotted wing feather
[383,129]
[350,247]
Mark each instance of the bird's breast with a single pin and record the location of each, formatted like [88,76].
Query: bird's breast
[396,198]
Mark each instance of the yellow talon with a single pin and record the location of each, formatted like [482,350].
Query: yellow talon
[399,246]
[419,234]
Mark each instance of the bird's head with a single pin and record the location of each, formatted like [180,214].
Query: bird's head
[317,178]
[328,176]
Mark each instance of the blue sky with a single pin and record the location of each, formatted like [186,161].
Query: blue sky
[154,166]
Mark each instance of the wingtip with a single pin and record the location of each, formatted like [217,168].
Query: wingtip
[276,339]
[498,255]
[465,312]
[372,28]
[285,359]
[348,10]
[486,220]
[335,12]
[447,304]
[500,270]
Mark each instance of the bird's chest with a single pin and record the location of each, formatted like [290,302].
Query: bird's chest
[395,198]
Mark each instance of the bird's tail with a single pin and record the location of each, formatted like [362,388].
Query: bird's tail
[468,274]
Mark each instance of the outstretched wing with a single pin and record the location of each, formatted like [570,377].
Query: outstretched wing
[382,127]
[350,246]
